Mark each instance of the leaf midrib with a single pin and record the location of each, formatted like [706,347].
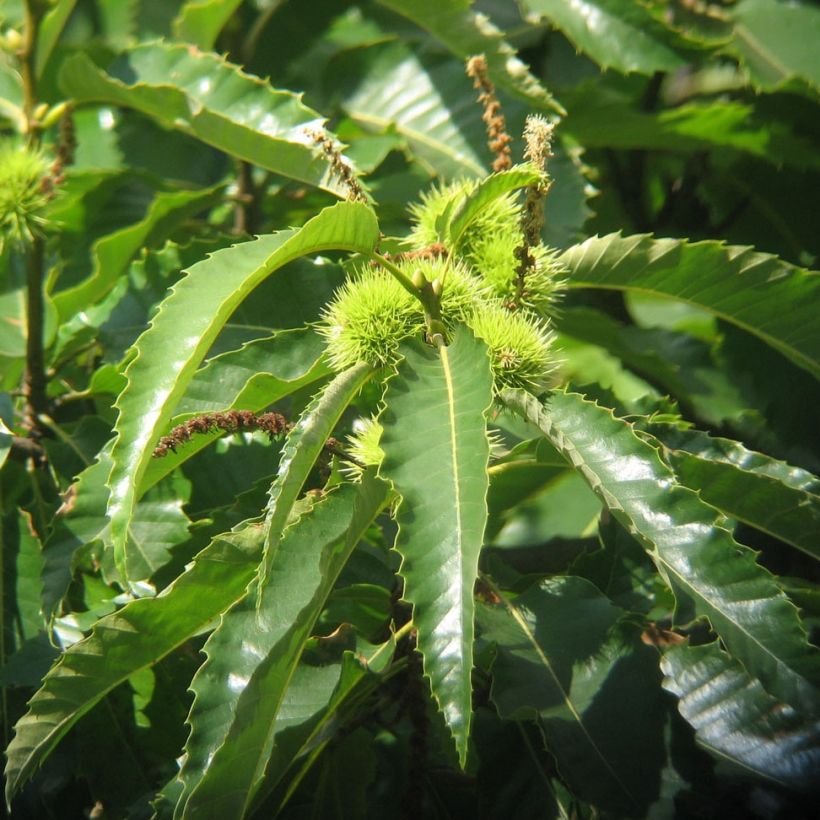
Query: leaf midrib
[528,634]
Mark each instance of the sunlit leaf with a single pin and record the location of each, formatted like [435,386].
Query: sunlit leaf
[735,283]
[737,720]
[212,100]
[135,637]
[710,574]
[186,325]
[436,453]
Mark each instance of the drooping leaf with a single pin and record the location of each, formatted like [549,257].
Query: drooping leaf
[302,447]
[187,323]
[562,656]
[767,494]
[711,575]
[436,453]
[200,21]
[615,33]
[737,720]
[757,292]
[253,655]
[135,637]
[467,33]
[114,252]
[213,101]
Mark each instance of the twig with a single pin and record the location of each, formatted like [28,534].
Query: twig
[34,385]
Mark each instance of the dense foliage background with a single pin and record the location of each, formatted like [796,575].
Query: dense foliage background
[630,658]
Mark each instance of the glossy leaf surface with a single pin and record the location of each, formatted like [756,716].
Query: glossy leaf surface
[253,655]
[467,33]
[765,493]
[737,720]
[302,447]
[436,454]
[710,574]
[615,33]
[212,100]
[560,648]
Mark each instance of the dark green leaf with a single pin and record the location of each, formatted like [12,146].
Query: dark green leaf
[769,495]
[709,572]
[563,657]
[134,638]
[736,284]
[436,453]
[737,720]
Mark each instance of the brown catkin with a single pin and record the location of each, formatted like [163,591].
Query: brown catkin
[338,164]
[229,421]
[538,149]
[498,139]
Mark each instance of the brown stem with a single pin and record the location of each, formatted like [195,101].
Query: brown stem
[246,213]
[34,387]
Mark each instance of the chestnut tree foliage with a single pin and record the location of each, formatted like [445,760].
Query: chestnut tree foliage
[408,408]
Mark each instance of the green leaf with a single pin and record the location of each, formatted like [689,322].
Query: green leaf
[303,445]
[49,32]
[757,292]
[468,207]
[467,33]
[200,21]
[685,128]
[774,40]
[616,34]
[134,638]
[187,323]
[310,715]
[674,362]
[767,494]
[562,656]
[709,572]
[213,101]
[737,720]
[114,252]
[427,102]
[436,454]
[253,655]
